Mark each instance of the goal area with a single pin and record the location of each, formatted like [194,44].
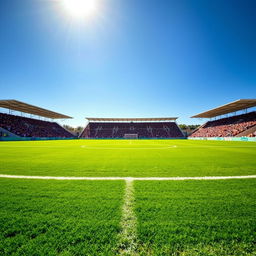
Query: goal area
[131,136]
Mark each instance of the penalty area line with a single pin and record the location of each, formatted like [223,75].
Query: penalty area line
[126,178]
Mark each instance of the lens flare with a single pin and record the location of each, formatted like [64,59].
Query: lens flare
[80,8]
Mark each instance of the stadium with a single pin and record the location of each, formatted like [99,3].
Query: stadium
[127,128]
[237,127]
[127,186]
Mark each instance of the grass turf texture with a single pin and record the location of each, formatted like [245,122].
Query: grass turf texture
[192,218]
[59,217]
[128,158]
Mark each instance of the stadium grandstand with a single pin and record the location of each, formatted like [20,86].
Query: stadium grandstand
[132,128]
[236,125]
[240,123]
[20,126]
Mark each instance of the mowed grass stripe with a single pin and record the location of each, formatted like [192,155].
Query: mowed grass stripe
[192,218]
[42,217]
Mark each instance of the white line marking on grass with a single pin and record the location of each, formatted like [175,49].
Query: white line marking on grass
[174,146]
[128,236]
[4,146]
[127,178]
[164,147]
[210,146]
[113,148]
[128,147]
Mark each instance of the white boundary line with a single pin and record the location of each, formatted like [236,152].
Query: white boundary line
[128,235]
[127,178]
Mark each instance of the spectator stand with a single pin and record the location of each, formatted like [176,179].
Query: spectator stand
[27,128]
[235,125]
[118,128]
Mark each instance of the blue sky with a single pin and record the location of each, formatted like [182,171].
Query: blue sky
[146,58]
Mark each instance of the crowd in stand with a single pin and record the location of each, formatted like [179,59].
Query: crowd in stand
[142,130]
[252,134]
[227,127]
[29,127]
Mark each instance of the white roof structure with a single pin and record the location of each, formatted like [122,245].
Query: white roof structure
[227,108]
[30,109]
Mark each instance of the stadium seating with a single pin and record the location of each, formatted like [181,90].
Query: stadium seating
[227,127]
[252,134]
[29,127]
[142,129]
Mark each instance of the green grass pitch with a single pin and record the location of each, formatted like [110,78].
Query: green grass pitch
[128,158]
[179,218]
[59,217]
[193,218]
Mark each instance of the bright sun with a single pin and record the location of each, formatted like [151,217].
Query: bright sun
[80,8]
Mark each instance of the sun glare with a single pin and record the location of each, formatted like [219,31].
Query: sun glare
[80,8]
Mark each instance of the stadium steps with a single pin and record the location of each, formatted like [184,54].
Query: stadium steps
[247,132]
[201,126]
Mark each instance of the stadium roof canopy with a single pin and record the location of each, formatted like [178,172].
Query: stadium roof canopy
[228,108]
[94,119]
[30,109]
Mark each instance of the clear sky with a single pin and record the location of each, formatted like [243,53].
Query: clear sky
[131,58]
